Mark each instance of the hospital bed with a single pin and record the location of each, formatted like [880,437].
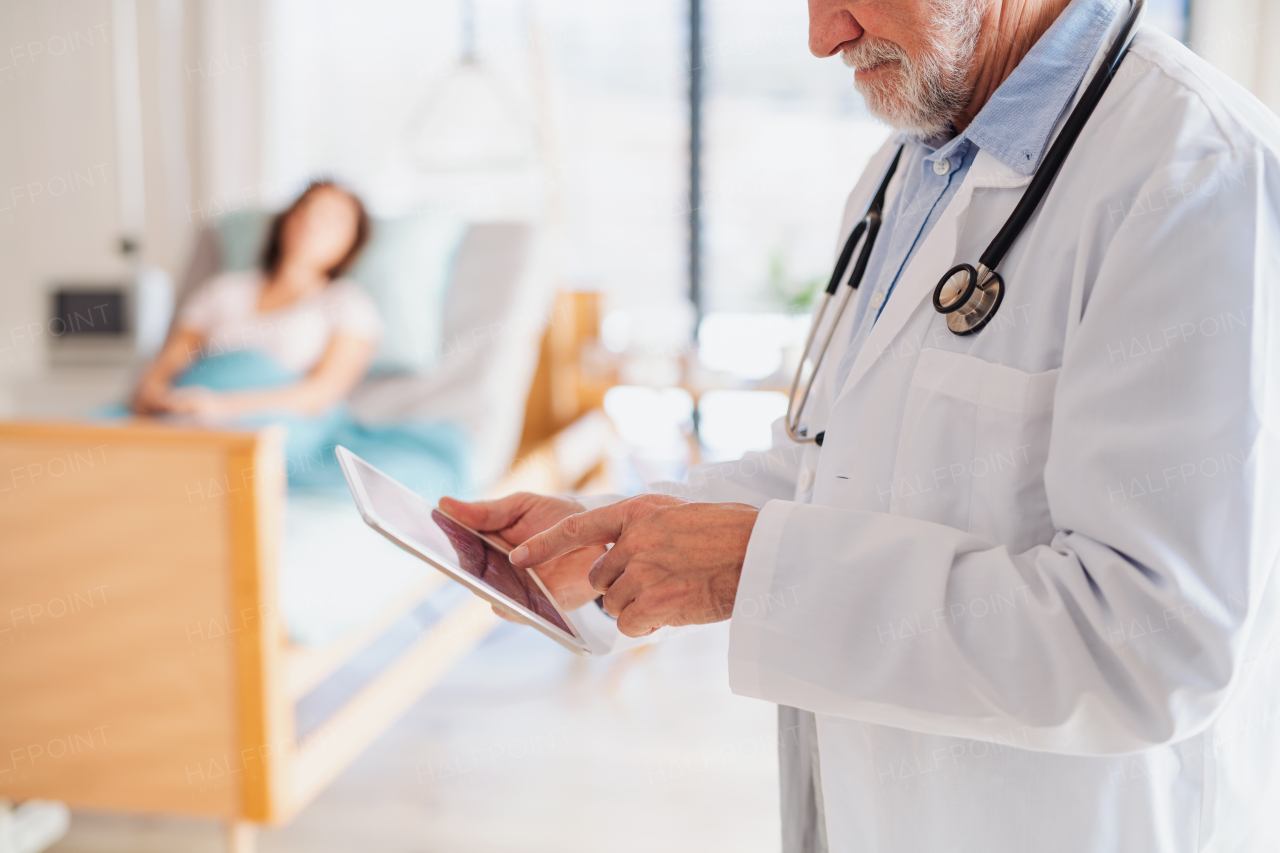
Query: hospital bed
[181,636]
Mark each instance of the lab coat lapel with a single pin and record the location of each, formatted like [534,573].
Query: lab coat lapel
[936,256]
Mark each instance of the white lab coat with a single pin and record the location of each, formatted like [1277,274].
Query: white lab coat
[1026,586]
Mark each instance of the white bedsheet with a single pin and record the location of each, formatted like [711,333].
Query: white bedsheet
[336,572]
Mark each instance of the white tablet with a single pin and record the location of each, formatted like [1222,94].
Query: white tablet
[477,561]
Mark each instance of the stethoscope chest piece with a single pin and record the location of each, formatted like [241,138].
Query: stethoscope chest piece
[969,297]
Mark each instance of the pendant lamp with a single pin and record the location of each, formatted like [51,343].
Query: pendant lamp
[471,121]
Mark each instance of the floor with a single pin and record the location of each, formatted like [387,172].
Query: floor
[525,747]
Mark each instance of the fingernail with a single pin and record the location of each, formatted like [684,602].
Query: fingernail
[519,555]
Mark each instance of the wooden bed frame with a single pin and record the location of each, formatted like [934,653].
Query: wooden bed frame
[144,666]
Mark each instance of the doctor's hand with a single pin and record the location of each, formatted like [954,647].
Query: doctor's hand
[514,519]
[674,562]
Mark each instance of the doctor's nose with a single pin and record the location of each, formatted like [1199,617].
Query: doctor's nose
[831,25]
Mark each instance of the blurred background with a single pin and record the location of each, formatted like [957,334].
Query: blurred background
[628,206]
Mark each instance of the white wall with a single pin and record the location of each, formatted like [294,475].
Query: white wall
[61,180]
[600,82]
[58,205]
[1240,38]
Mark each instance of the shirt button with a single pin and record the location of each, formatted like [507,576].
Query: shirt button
[806,480]
[941,167]
[877,300]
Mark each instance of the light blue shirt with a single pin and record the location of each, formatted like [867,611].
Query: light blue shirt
[1014,127]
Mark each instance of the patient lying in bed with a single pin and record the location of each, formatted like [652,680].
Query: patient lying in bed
[315,331]
[286,344]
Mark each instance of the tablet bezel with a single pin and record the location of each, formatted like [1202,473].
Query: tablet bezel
[575,643]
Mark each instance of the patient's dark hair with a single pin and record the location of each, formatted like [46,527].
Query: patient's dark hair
[274,248]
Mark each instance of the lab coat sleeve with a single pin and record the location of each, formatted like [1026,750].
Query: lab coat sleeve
[1127,629]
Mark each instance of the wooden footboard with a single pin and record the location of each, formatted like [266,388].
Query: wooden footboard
[139,634]
[144,665]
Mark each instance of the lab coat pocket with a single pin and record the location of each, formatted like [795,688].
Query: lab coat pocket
[971,454]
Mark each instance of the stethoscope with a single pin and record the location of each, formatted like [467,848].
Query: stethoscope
[968,296]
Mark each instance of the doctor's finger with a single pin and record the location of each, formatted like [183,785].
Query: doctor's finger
[640,618]
[488,515]
[594,527]
[608,567]
[621,593]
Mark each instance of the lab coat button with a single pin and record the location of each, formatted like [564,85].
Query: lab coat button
[806,479]
[941,167]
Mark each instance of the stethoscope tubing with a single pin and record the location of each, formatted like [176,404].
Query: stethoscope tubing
[985,273]
[867,229]
[792,424]
[1043,179]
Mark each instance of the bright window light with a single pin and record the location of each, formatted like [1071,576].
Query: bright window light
[748,346]
[651,419]
[615,331]
[654,424]
[732,423]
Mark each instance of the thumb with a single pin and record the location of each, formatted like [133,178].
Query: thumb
[486,515]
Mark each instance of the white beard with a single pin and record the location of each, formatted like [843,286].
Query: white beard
[922,95]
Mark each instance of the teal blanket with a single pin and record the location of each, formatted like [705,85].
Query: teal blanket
[432,458]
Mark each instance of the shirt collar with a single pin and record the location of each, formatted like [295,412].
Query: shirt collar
[1015,125]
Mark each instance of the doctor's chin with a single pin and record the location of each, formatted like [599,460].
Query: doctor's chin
[763,426]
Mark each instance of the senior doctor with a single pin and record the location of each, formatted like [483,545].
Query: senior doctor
[1022,595]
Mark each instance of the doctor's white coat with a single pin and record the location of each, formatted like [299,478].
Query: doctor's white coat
[1024,596]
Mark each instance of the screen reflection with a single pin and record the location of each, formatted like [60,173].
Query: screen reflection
[492,567]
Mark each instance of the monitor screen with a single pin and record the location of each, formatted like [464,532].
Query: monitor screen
[78,313]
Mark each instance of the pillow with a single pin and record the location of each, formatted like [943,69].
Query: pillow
[240,237]
[406,268]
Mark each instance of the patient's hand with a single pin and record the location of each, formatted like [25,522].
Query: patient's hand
[150,397]
[517,517]
[159,398]
[200,402]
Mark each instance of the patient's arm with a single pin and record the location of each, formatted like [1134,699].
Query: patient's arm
[181,351]
[343,365]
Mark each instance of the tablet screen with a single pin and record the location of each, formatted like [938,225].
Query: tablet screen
[492,568]
[439,536]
